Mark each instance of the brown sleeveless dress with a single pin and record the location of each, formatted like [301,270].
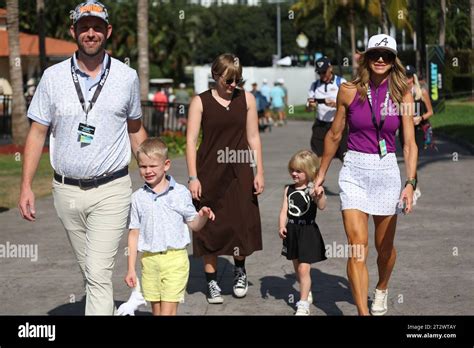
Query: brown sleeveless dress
[227,187]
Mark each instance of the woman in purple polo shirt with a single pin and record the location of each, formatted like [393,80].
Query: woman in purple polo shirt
[370,178]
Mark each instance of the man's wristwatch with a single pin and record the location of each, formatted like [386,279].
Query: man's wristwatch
[191,178]
[412,182]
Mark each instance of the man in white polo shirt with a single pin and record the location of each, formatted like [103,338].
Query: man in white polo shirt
[323,94]
[91,103]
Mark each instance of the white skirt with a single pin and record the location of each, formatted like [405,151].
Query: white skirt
[370,183]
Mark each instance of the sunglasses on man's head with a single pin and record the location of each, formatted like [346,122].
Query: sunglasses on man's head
[385,55]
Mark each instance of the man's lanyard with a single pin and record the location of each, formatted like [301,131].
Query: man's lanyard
[378,127]
[75,79]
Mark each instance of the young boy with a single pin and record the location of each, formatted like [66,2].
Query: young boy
[158,211]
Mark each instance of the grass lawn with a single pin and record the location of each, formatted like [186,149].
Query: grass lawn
[10,179]
[457,121]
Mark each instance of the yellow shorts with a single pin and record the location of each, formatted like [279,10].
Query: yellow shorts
[165,275]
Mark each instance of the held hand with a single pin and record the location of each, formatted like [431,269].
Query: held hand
[319,192]
[406,199]
[258,184]
[206,211]
[282,232]
[26,205]
[417,120]
[319,181]
[131,279]
[195,188]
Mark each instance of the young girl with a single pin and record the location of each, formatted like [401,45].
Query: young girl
[302,240]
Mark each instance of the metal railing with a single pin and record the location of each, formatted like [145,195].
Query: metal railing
[5,115]
[158,118]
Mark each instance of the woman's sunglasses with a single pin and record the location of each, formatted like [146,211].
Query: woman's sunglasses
[385,55]
[230,81]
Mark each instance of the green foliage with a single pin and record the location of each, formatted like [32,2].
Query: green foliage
[456,121]
[176,143]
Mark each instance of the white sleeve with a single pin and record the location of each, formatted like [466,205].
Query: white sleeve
[135,109]
[40,106]
[134,215]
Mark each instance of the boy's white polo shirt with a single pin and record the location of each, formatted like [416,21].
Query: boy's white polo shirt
[161,217]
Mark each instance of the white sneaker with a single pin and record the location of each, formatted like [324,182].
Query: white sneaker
[241,285]
[302,308]
[379,304]
[214,293]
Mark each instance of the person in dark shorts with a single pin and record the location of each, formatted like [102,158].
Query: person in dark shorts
[322,95]
[302,240]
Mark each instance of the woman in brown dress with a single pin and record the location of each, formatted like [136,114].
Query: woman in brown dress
[221,173]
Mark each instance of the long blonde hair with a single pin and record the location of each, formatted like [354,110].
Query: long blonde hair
[398,85]
[418,95]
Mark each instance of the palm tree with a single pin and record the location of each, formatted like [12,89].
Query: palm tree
[143,61]
[19,121]
[472,37]
[41,34]
[442,24]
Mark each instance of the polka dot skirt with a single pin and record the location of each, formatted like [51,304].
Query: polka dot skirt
[370,183]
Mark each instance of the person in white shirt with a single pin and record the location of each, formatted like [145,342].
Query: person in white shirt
[322,96]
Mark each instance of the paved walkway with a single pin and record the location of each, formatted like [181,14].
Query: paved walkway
[433,274]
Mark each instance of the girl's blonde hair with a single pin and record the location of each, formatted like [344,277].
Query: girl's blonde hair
[398,81]
[153,147]
[229,64]
[417,88]
[307,162]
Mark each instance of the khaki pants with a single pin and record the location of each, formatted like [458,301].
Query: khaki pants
[95,220]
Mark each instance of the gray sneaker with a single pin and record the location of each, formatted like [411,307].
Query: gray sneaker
[241,285]
[214,293]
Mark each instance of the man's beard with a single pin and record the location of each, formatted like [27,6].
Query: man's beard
[91,52]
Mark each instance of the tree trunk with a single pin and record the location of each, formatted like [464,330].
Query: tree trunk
[355,64]
[143,61]
[442,24]
[41,34]
[19,121]
[420,38]
[383,7]
[472,43]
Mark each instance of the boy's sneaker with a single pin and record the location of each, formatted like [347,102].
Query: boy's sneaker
[302,308]
[214,293]
[379,305]
[240,282]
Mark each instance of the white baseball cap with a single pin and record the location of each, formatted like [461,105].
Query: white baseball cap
[281,80]
[382,41]
[264,81]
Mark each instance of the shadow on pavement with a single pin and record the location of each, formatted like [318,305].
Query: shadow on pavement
[327,290]
[78,309]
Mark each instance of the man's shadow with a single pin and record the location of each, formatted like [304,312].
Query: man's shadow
[79,308]
[327,290]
